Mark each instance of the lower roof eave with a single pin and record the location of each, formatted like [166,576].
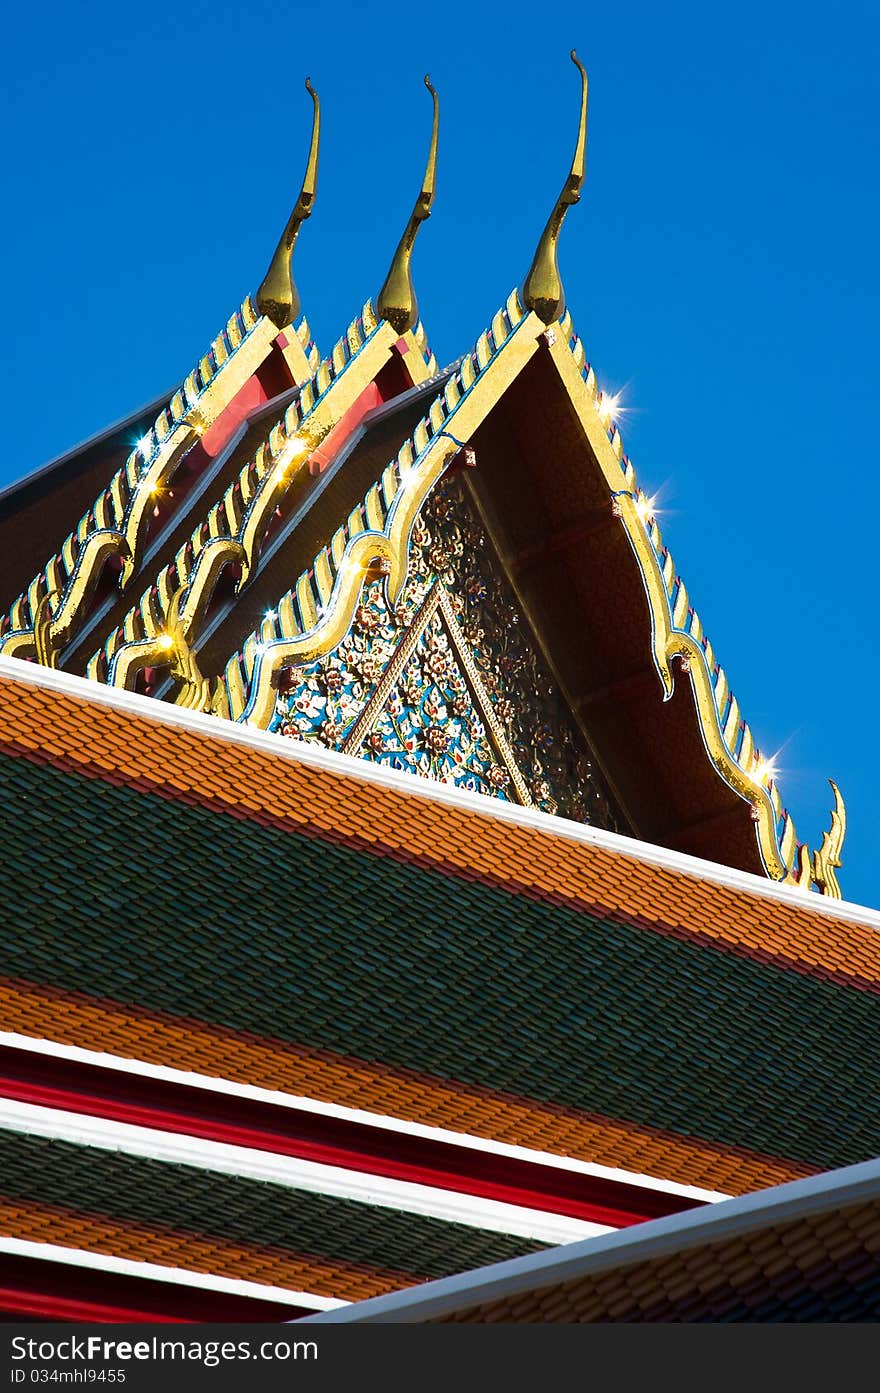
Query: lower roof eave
[657,1238]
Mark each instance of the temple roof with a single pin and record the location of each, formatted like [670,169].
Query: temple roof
[231,542]
[271,963]
[287,1028]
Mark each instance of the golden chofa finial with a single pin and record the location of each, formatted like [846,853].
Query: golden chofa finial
[278,297]
[397,299]
[542,289]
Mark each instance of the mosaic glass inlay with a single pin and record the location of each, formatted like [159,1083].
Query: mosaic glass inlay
[450,683]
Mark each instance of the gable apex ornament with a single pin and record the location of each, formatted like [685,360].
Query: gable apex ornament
[397,301]
[278,298]
[542,288]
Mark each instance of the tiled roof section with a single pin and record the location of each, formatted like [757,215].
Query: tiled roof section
[73,1018]
[806,1251]
[824,1267]
[168,1246]
[183,1216]
[502,978]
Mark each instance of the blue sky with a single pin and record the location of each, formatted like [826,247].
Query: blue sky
[721,268]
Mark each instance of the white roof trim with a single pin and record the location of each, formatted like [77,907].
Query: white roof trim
[155,1272]
[294,1173]
[654,1239]
[231,1088]
[411,786]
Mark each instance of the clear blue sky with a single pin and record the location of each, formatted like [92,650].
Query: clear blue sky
[722,267]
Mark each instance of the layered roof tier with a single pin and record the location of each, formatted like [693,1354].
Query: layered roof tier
[284,1028]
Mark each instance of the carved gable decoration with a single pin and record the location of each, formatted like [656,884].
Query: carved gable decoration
[431,713]
[450,684]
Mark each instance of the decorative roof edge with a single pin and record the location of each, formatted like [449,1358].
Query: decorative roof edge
[115,523]
[150,634]
[350,767]
[677,633]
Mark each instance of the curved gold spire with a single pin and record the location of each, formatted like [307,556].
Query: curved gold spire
[278,297]
[397,299]
[542,289]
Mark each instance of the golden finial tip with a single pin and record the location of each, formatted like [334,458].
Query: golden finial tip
[397,301]
[542,289]
[277,296]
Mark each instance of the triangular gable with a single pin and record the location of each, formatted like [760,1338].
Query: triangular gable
[447,683]
[313,618]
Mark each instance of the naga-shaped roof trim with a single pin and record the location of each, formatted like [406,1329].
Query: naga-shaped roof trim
[235,527]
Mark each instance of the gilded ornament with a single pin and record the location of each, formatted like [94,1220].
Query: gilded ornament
[44,646]
[397,300]
[278,297]
[827,859]
[197,692]
[542,289]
